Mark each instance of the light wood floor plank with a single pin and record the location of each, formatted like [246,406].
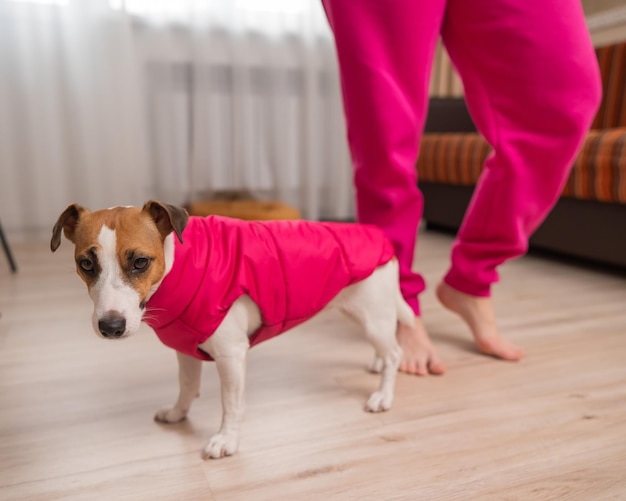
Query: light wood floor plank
[76,411]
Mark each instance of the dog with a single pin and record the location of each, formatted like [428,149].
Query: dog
[212,287]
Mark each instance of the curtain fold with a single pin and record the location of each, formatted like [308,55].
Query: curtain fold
[174,100]
[71,126]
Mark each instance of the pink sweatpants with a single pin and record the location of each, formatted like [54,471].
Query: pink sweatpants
[532,86]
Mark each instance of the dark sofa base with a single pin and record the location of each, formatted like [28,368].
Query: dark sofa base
[582,229]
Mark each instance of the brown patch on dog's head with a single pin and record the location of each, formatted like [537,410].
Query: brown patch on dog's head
[139,239]
[119,253]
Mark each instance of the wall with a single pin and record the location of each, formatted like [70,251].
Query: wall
[606,20]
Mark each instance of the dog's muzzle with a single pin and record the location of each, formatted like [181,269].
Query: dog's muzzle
[112,326]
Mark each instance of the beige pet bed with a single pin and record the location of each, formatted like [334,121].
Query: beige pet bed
[242,206]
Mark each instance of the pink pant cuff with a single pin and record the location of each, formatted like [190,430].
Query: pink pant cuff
[460,283]
[414,303]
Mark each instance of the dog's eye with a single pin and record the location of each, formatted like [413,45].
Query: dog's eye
[141,263]
[86,265]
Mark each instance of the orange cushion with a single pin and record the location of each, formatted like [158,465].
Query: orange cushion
[244,209]
[599,171]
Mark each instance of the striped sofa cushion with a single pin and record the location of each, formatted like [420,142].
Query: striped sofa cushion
[452,158]
[599,172]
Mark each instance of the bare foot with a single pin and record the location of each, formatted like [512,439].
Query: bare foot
[419,356]
[479,316]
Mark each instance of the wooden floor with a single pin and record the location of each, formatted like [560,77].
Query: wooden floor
[76,411]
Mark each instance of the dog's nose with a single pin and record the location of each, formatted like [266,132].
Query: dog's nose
[112,326]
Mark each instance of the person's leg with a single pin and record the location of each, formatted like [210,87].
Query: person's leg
[532,86]
[385,51]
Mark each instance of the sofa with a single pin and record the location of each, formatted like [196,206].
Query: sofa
[589,219]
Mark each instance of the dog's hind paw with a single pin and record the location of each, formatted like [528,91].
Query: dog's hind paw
[379,401]
[220,445]
[170,415]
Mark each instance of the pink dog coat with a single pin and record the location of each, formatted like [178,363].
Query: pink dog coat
[290,269]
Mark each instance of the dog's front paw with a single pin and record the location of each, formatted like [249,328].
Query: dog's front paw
[220,445]
[170,415]
[379,401]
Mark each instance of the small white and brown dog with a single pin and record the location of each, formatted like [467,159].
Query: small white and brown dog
[128,255]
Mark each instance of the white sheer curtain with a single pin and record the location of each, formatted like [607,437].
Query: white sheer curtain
[70,120]
[112,102]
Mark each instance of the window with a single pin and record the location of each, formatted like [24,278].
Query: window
[47,2]
[178,8]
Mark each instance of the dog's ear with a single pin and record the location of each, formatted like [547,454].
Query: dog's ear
[167,218]
[68,220]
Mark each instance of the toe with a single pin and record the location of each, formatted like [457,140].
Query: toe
[436,367]
[513,353]
[414,366]
[405,367]
[421,369]
[500,348]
